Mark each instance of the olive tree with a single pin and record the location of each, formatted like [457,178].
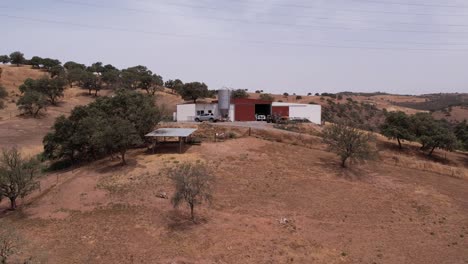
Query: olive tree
[239,93]
[193,185]
[194,91]
[17,58]
[397,126]
[32,103]
[4,59]
[18,175]
[347,142]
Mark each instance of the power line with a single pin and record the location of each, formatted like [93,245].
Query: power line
[296,44]
[274,4]
[301,6]
[411,4]
[316,27]
[351,40]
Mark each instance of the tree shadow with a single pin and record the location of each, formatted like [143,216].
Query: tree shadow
[118,166]
[167,148]
[180,221]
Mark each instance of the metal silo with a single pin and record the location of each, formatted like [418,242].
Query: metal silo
[224,102]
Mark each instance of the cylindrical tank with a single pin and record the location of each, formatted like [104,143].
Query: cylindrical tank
[224,102]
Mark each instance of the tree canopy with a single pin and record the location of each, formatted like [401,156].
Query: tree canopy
[107,126]
[194,90]
[18,176]
[17,58]
[52,89]
[239,93]
[348,142]
[397,126]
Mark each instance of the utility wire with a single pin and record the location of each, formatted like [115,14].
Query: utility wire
[290,44]
[315,27]
[411,4]
[300,6]
[344,40]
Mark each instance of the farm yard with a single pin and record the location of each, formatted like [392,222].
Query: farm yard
[278,196]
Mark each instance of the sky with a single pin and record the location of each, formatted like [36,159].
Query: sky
[294,46]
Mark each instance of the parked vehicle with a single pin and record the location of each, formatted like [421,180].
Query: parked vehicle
[261,118]
[206,117]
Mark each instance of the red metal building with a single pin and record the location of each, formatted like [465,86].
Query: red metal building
[245,109]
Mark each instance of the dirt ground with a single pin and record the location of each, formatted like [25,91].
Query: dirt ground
[274,203]
[279,197]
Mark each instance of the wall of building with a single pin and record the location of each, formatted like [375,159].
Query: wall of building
[309,111]
[188,112]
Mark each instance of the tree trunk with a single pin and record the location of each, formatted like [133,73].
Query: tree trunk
[343,162]
[89,91]
[399,143]
[122,153]
[192,215]
[432,150]
[13,203]
[95,93]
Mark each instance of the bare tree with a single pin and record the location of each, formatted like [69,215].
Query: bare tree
[193,184]
[8,244]
[348,142]
[18,176]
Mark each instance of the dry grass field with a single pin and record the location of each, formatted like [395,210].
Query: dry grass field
[279,197]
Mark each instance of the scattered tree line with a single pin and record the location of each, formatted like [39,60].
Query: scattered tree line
[422,127]
[96,77]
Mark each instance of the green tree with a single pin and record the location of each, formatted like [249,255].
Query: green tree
[193,185]
[151,83]
[74,75]
[52,89]
[266,97]
[32,103]
[18,176]
[348,142]
[17,58]
[175,85]
[194,91]
[96,67]
[432,133]
[57,71]
[69,65]
[106,126]
[36,62]
[397,126]
[285,94]
[461,132]
[239,93]
[4,59]
[90,81]
[132,77]
[120,135]
[111,77]
[49,63]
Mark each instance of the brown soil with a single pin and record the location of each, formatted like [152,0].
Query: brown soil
[374,212]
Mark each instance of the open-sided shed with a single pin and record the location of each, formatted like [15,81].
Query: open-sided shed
[162,133]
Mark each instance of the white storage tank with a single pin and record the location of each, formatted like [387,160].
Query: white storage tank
[224,102]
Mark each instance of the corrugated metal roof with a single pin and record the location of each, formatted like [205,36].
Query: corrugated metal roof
[171,132]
